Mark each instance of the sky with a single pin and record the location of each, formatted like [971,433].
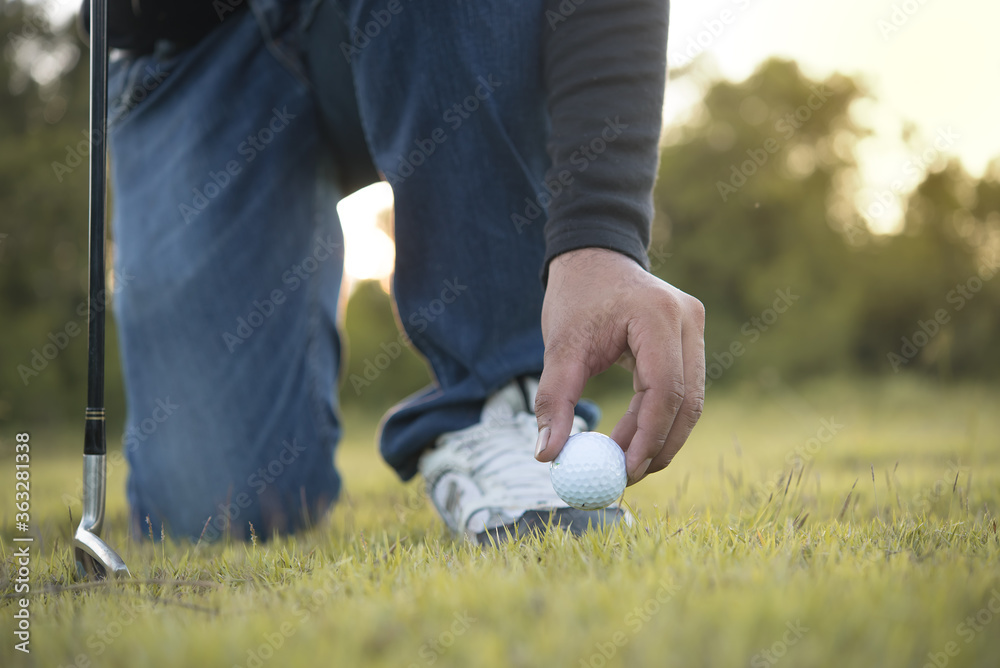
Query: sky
[929,62]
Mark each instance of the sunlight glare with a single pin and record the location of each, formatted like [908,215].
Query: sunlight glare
[369,253]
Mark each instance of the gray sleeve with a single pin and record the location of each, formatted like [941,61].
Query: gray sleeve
[605,73]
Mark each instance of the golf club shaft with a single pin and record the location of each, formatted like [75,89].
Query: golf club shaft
[94,436]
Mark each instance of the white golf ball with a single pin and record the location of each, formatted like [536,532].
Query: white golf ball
[589,473]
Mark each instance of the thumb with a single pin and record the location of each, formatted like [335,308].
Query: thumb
[559,389]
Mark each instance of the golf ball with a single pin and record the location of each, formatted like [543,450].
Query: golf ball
[589,473]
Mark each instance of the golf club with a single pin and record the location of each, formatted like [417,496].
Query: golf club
[94,558]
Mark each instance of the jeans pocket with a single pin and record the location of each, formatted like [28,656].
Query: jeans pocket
[132,83]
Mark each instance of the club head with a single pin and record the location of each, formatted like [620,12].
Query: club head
[94,559]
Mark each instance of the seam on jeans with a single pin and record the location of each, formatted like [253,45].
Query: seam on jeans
[173,60]
[119,110]
[293,63]
[535,182]
[309,12]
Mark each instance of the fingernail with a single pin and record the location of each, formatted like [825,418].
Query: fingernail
[640,470]
[543,441]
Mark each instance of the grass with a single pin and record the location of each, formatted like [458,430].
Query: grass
[757,547]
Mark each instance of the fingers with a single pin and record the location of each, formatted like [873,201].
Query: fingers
[613,310]
[693,342]
[659,384]
[626,360]
[625,429]
[559,390]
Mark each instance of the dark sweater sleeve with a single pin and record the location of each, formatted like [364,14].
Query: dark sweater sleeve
[605,70]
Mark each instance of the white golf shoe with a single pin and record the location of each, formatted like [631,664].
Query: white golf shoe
[486,483]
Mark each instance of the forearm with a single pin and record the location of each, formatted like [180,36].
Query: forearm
[605,72]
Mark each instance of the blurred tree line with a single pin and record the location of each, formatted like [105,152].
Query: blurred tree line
[757,197]
[758,216]
[43,222]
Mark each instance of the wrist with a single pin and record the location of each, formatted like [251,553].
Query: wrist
[583,258]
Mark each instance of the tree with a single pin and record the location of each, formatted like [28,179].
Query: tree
[43,253]
[755,198]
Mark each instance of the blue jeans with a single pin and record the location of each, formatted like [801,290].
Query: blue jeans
[229,252]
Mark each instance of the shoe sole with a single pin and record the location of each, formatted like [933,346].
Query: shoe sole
[575,521]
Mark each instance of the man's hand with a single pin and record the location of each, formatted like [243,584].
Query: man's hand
[600,308]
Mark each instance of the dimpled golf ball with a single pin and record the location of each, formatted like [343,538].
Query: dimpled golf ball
[589,473]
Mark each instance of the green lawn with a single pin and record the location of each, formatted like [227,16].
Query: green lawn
[733,561]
